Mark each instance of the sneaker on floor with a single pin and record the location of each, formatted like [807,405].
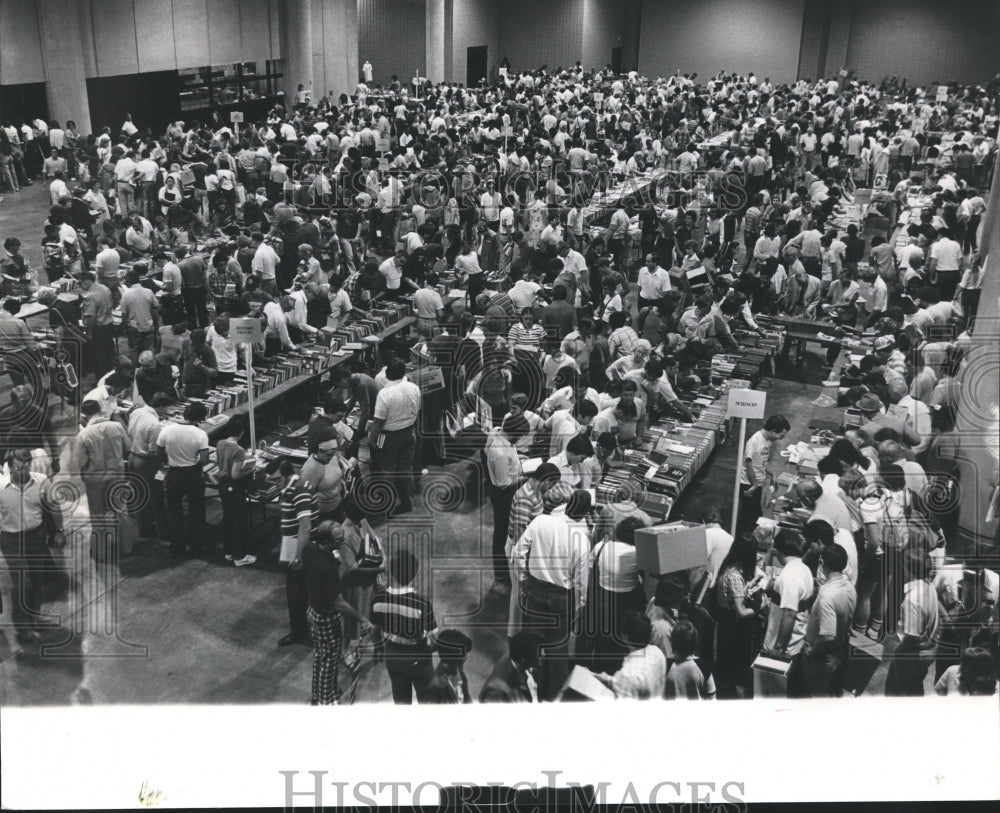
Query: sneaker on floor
[246,560]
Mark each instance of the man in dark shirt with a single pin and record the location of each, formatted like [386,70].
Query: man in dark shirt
[194,286]
[854,247]
[362,391]
[513,677]
[322,566]
[308,234]
[244,254]
[448,683]
[321,427]
[155,374]
[558,319]
[253,299]
[25,424]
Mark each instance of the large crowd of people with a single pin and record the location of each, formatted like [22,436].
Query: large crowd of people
[591,297]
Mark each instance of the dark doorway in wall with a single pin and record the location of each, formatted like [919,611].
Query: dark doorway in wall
[616,59]
[20,103]
[153,99]
[475,65]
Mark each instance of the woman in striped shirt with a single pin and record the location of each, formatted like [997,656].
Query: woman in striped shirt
[299,519]
[527,335]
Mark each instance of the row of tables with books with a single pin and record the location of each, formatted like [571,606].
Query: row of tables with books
[671,453]
[277,375]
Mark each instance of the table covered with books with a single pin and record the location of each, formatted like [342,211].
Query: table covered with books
[669,454]
[284,372]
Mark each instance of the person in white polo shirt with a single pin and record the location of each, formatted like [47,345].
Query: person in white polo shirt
[428,305]
[391,434]
[754,475]
[218,340]
[491,203]
[392,270]
[944,263]
[184,448]
[793,588]
[654,282]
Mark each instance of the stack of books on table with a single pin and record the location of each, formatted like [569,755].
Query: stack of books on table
[328,338]
[724,365]
[352,332]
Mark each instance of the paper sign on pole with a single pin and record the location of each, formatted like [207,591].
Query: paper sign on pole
[245,331]
[598,97]
[746,404]
[382,145]
[743,404]
[236,117]
[942,93]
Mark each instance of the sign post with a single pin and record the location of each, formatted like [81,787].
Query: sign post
[743,404]
[246,331]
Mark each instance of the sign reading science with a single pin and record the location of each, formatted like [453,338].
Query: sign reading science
[746,404]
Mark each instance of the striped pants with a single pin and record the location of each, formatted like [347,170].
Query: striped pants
[327,637]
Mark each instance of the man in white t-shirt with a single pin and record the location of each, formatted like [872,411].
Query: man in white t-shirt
[944,262]
[807,143]
[753,473]
[184,448]
[340,304]
[654,282]
[506,226]
[790,596]
[145,171]
[491,204]
[225,351]
[523,292]
[392,270]
[911,249]
[428,305]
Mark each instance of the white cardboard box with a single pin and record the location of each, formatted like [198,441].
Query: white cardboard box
[770,677]
[668,548]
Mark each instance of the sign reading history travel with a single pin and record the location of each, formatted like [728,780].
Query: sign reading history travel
[244,331]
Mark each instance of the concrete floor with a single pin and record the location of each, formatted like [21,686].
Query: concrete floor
[23,215]
[154,630]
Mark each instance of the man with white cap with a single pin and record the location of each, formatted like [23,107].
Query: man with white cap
[324,473]
[873,418]
[888,356]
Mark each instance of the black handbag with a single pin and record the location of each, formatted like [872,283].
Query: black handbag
[371,554]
